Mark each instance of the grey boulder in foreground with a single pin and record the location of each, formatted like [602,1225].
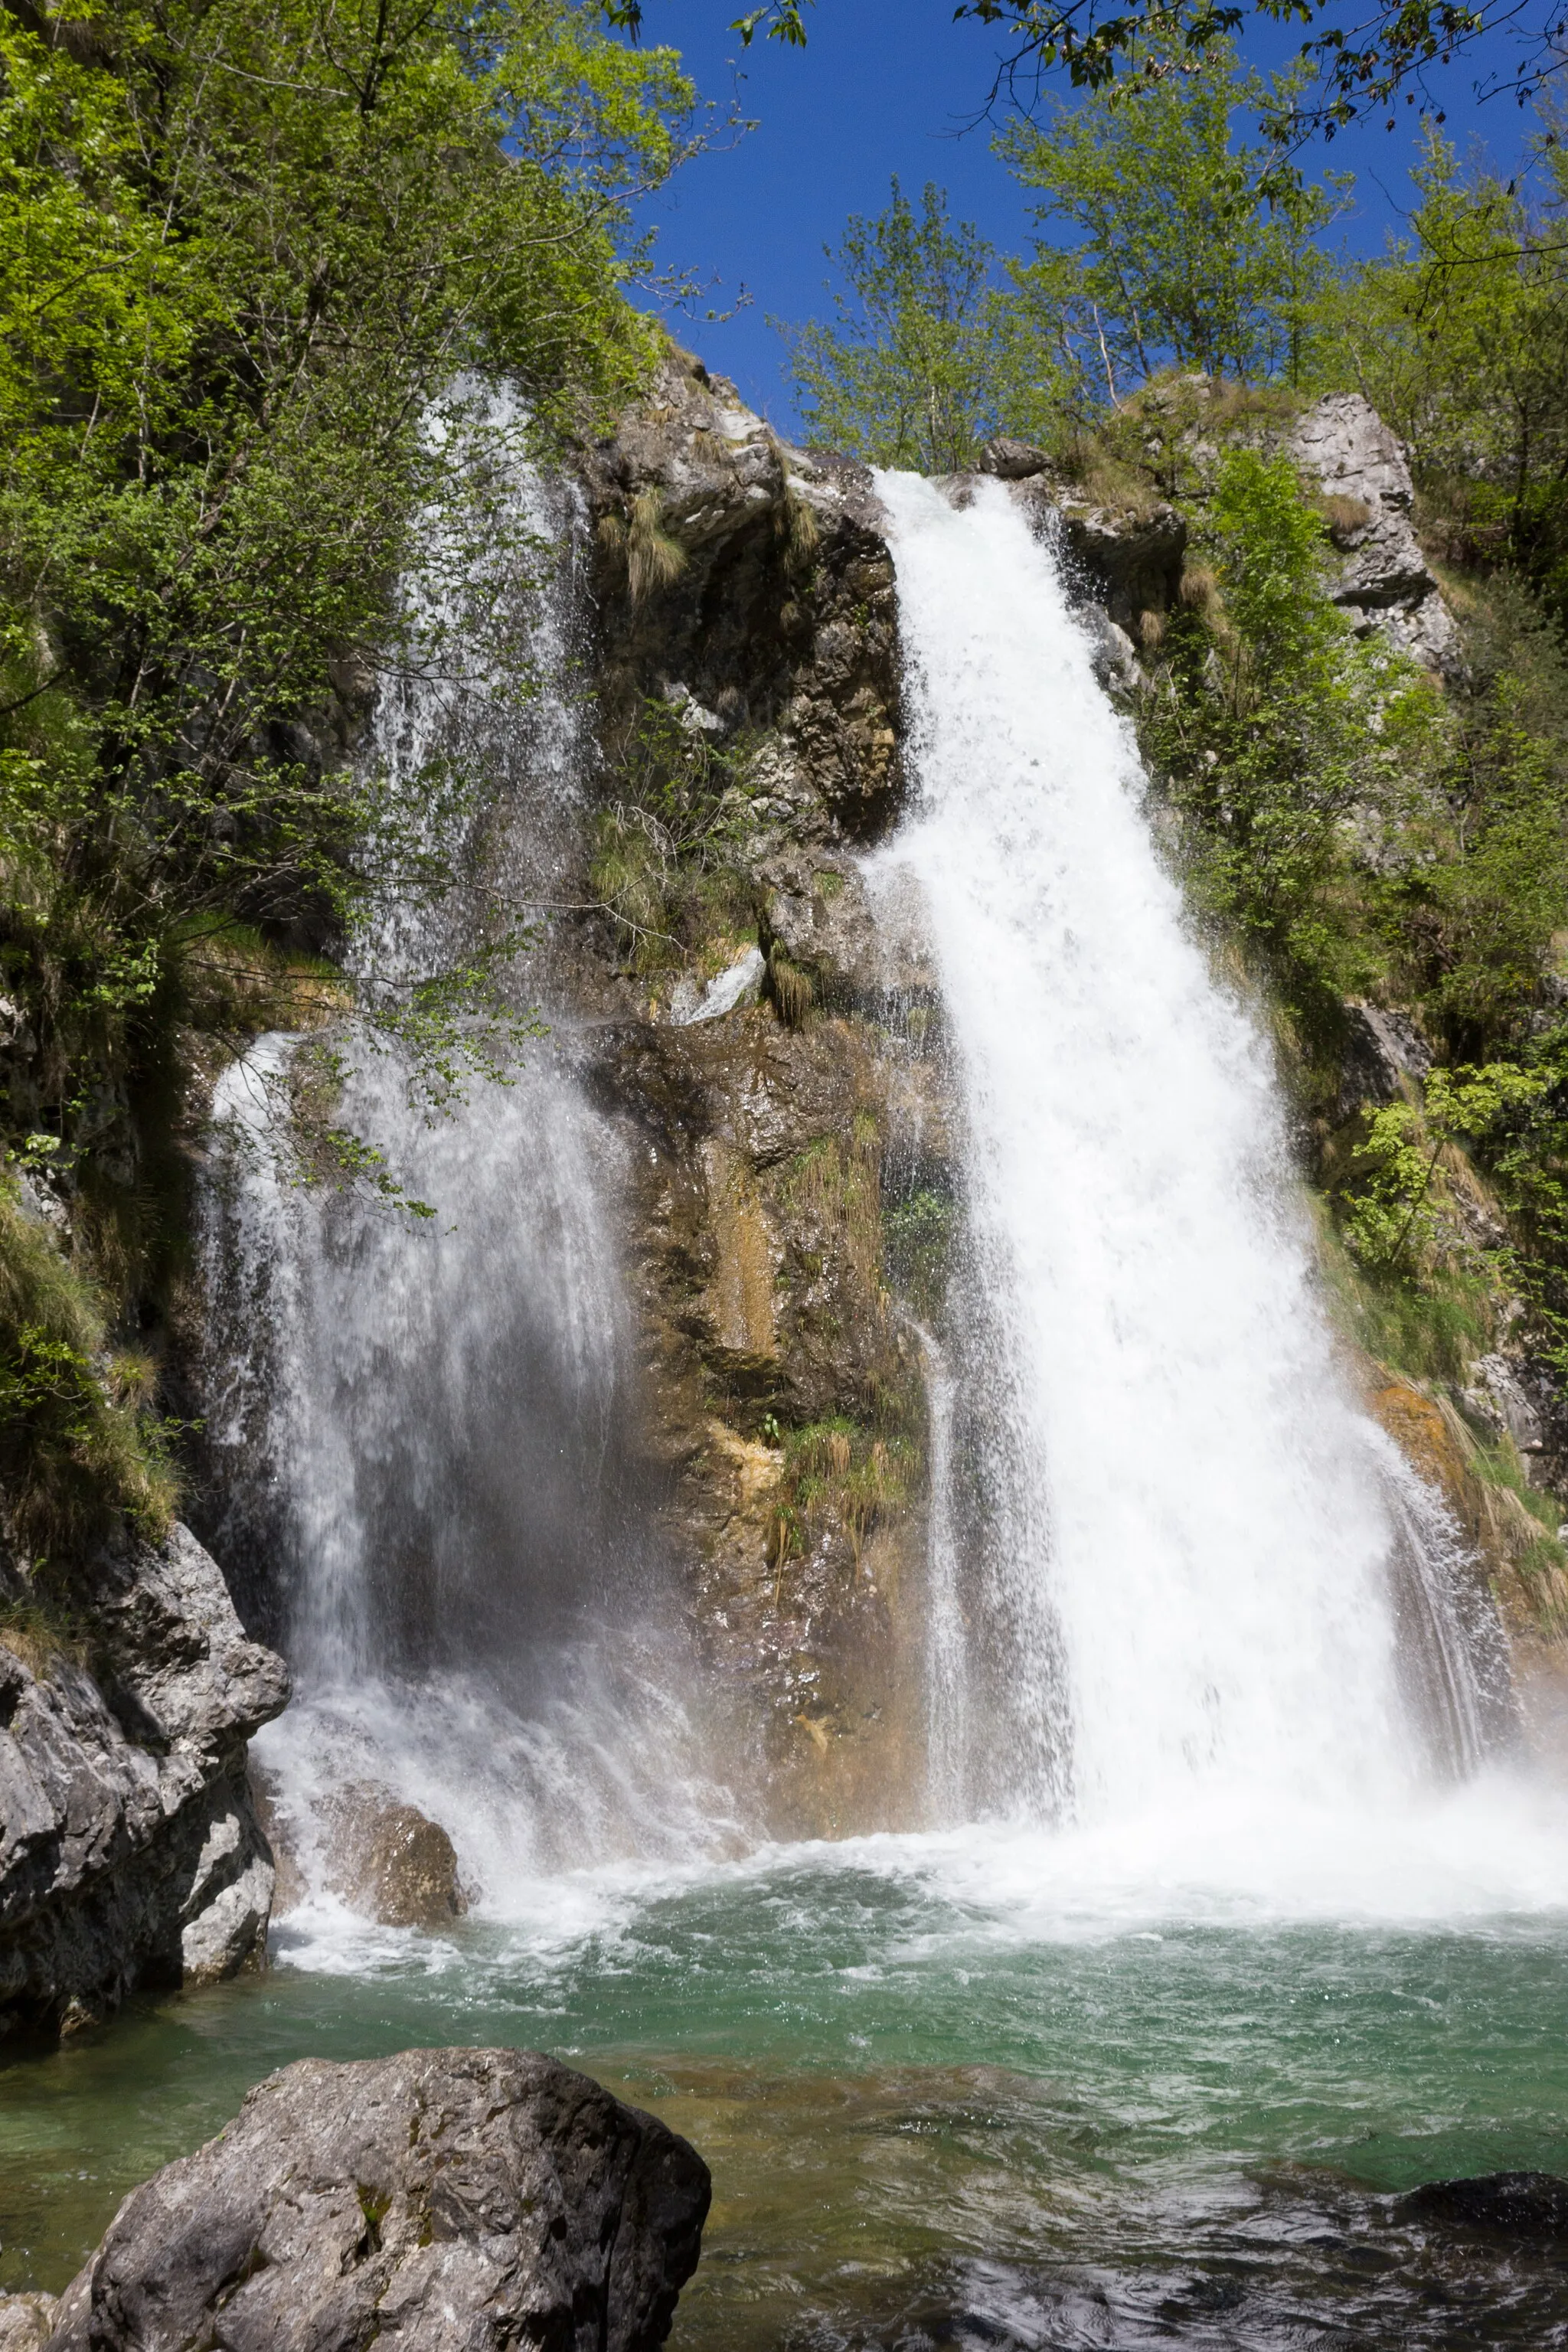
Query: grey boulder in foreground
[454,2200]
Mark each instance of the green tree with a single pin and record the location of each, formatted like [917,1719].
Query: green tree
[1267,728]
[259,259]
[1390,1215]
[1475,898]
[1459,337]
[245,245]
[1187,247]
[930,356]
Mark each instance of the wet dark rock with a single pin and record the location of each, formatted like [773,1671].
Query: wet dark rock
[1529,2208]
[289,1884]
[1128,559]
[761,1160]
[450,2200]
[818,912]
[129,1848]
[389,1861]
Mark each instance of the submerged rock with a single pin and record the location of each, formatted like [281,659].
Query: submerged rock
[129,1848]
[447,2199]
[1529,2207]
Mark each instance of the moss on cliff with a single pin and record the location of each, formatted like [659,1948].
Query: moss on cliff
[82,1448]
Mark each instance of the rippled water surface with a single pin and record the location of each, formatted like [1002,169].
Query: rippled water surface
[959,2091]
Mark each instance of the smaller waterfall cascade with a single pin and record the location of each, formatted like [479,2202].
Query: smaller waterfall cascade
[422,1423]
[1192,1564]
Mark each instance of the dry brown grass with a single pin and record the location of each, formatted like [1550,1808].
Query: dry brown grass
[791,989]
[654,558]
[1344,516]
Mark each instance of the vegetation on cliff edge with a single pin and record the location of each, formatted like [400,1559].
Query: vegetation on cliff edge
[249,254]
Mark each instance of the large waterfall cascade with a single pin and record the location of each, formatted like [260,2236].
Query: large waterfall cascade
[1169,1556]
[1200,1568]
[423,1424]
[1230,1923]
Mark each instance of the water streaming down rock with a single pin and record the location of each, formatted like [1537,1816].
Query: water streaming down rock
[422,1426]
[1164,1548]
[1184,1567]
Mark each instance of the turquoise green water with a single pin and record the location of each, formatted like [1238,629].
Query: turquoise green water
[933,2118]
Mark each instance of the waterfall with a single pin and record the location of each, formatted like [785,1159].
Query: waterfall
[422,1429]
[1168,1554]
[1185,1556]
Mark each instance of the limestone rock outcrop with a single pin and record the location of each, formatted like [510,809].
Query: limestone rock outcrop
[129,1848]
[768,1166]
[451,2201]
[1381,1050]
[25,2321]
[754,580]
[778,1087]
[1384,581]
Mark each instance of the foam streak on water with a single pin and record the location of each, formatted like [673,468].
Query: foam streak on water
[1188,1552]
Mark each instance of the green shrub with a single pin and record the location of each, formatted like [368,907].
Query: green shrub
[80,1450]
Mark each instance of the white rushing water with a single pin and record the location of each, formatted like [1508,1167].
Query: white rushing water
[1197,1635]
[1191,1572]
[422,1425]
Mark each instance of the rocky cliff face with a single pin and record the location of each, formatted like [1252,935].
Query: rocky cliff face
[776,1074]
[129,1851]
[1385,580]
[757,579]
[794,1170]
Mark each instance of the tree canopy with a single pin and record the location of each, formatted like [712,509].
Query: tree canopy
[1355,64]
[245,244]
[928,355]
[1186,247]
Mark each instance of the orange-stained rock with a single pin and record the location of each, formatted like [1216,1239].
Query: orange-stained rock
[1522,1564]
[1428,1436]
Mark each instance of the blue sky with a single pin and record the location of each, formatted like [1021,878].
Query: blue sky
[890,86]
